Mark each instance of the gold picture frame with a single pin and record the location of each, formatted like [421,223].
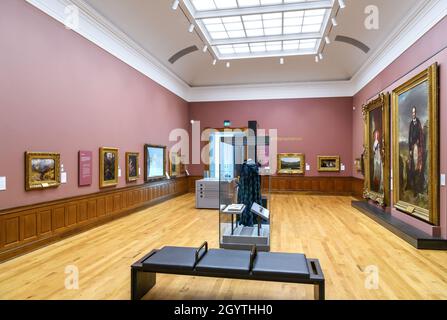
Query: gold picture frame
[174,164]
[376,115]
[291,163]
[132,166]
[328,163]
[154,162]
[416,147]
[108,167]
[42,170]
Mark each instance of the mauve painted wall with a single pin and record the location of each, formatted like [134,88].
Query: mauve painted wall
[431,46]
[322,126]
[61,93]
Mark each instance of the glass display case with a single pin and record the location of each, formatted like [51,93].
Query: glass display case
[244,196]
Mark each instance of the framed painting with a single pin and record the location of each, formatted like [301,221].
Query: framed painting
[416,146]
[154,162]
[358,165]
[42,170]
[329,163]
[291,163]
[132,166]
[376,115]
[108,167]
[175,164]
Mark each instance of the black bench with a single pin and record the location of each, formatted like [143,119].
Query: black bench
[222,263]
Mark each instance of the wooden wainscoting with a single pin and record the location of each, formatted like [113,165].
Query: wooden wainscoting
[28,228]
[357,187]
[323,185]
[319,185]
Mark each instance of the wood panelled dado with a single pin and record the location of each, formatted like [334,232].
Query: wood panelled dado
[327,185]
[27,228]
[322,185]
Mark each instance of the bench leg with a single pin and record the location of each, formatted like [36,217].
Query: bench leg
[319,293]
[140,283]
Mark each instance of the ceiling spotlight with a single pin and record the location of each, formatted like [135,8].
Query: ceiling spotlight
[317,59]
[281,61]
[334,22]
[205,48]
[320,56]
[191,27]
[175,4]
[328,41]
[228,64]
[214,62]
[342,4]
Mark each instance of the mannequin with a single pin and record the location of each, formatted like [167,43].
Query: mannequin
[249,190]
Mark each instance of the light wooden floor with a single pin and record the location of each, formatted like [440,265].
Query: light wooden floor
[327,228]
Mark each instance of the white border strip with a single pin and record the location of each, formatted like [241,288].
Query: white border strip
[272,91]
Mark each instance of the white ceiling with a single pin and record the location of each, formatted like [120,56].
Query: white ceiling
[163,32]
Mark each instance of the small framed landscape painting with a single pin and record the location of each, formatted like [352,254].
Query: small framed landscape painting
[154,162]
[132,166]
[328,163]
[108,167]
[43,170]
[416,146]
[291,163]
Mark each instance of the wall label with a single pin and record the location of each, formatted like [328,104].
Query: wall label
[85,168]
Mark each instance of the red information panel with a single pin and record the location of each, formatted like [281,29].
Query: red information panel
[85,168]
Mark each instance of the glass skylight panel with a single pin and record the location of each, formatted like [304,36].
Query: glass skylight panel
[202,5]
[257,47]
[273,46]
[243,30]
[207,5]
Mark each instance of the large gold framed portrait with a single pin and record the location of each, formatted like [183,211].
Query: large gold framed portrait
[108,167]
[376,115]
[291,163]
[416,146]
[42,170]
[329,163]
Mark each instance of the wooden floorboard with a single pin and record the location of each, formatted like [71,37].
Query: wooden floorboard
[324,227]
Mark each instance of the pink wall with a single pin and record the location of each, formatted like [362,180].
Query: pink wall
[61,93]
[431,46]
[316,126]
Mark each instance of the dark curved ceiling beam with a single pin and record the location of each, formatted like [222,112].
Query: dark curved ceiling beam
[354,42]
[182,53]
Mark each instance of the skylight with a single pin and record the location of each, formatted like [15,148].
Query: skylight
[237,29]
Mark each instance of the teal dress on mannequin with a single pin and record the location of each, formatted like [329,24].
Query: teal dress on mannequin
[249,191]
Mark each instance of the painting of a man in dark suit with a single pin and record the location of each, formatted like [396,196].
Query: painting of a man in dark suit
[416,144]
[413,126]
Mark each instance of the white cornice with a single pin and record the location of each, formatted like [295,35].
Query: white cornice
[103,33]
[423,17]
[271,91]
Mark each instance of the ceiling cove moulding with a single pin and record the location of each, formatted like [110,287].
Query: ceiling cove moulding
[100,31]
[421,19]
[103,33]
